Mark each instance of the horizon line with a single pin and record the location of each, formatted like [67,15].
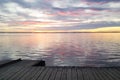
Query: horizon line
[60,32]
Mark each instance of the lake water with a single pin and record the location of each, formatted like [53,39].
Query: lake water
[63,49]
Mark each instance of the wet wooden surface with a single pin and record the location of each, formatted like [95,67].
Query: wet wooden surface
[24,70]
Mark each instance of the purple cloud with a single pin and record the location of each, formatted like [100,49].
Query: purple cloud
[63,14]
[102,0]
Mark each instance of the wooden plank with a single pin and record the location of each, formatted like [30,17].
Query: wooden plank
[116,72]
[100,72]
[20,73]
[4,61]
[74,74]
[79,74]
[10,62]
[36,76]
[8,68]
[90,74]
[85,74]
[44,72]
[9,73]
[96,75]
[112,74]
[5,69]
[48,74]
[32,74]
[69,73]
[28,74]
[58,74]
[64,74]
[53,74]
[106,75]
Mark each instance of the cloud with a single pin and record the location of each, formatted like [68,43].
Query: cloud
[59,14]
[16,10]
[84,3]
[68,4]
[114,5]
[102,0]
[30,1]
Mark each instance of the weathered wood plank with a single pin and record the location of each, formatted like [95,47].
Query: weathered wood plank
[112,74]
[4,61]
[28,74]
[9,63]
[116,72]
[69,73]
[80,75]
[19,74]
[44,72]
[48,74]
[90,74]
[36,76]
[74,74]
[96,75]
[25,71]
[64,74]
[53,74]
[85,74]
[32,74]
[58,74]
[103,75]
[10,72]
[5,69]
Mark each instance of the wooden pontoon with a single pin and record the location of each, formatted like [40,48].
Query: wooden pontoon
[24,70]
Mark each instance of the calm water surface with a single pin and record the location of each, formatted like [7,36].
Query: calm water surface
[63,49]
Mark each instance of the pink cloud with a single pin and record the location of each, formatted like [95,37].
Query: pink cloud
[69,13]
[34,23]
[77,13]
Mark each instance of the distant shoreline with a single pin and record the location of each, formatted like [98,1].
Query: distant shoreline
[59,32]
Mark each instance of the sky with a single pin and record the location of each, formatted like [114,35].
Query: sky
[59,15]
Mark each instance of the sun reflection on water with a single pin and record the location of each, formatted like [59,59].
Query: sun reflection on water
[63,49]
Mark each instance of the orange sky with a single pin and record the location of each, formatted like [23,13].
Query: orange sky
[104,29]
